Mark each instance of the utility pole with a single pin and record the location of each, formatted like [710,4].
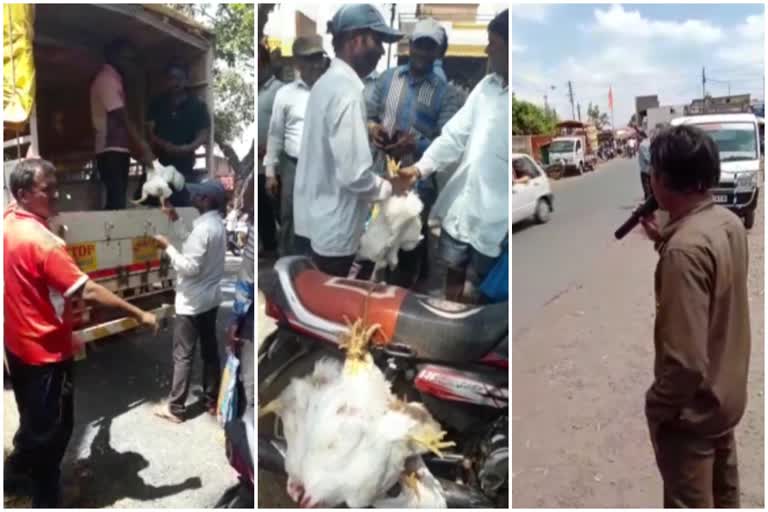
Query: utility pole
[570,95]
[579,110]
[703,83]
[546,105]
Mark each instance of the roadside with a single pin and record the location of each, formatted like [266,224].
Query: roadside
[120,454]
[580,371]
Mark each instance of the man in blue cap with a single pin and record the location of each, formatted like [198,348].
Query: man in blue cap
[199,269]
[409,107]
[335,184]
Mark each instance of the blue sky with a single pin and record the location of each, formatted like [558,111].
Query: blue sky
[638,49]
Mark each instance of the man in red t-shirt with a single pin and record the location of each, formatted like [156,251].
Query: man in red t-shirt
[40,280]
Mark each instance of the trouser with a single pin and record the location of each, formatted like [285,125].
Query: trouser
[645,181]
[338,266]
[287,178]
[302,245]
[113,170]
[45,400]
[697,472]
[187,330]
[267,229]
[413,265]
[247,374]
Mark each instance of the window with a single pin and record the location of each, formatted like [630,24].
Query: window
[523,167]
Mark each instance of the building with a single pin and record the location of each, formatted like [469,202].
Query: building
[642,104]
[720,105]
[662,115]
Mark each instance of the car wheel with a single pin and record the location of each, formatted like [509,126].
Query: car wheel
[749,219]
[543,211]
[581,168]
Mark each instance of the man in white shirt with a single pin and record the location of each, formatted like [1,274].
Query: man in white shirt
[268,87]
[335,185]
[473,207]
[199,268]
[285,131]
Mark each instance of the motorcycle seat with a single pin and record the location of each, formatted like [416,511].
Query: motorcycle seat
[447,331]
[429,328]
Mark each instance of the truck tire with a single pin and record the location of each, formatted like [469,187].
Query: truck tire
[749,219]
[581,168]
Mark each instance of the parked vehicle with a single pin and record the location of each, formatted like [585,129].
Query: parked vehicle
[573,150]
[738,139]
[531,192]
[451,357]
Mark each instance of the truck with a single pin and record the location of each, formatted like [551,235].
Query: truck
[741,160]
[51,54]
[573,150]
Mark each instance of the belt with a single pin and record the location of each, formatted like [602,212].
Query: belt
[290,158]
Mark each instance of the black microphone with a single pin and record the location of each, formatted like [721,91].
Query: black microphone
[648,207]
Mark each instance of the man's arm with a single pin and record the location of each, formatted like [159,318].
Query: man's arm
[449,147]
[352,155]
[682,327]
[276,134]
[142,148]
[94,292]
[189,263]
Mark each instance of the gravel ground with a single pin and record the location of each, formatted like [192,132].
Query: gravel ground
[120,454]
[579,374]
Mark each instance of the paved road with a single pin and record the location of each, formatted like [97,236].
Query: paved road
[120,454]
[548,259]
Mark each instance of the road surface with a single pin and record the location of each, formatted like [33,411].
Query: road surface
[120,454]
[548,259]
[583,354]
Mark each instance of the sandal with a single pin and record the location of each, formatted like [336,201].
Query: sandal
[162,411]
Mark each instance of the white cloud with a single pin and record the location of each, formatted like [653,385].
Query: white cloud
[537,13]
[753,28]
[518,48]
[631,24]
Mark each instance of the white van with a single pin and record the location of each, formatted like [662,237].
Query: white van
[738,139]
[531,194]
[569,152]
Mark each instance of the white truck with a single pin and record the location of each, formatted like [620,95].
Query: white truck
[58,50]
[741,160]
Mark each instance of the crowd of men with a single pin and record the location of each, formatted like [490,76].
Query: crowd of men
[324,139]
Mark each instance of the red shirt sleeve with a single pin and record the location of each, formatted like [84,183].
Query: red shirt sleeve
[62,273]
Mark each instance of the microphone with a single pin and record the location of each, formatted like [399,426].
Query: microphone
[645,209]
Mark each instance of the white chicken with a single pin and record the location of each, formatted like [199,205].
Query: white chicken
[396,225]
[348,437]
[160,178]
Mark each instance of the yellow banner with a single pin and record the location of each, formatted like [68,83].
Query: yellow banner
[18,61]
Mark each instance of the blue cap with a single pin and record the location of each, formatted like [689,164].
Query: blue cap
[362,16]
[208,188]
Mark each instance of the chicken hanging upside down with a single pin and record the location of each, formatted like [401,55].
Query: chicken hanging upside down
[350,440]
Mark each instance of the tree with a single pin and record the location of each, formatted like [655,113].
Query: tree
[233,74]
[599,119]
[528,119]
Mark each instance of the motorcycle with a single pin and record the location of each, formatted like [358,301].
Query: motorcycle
[451,357]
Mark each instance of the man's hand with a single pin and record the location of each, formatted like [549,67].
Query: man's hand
[150,320]
[262,151]
[146,156]
[161,241]
[377,134]
[402,183]
[272,185]
[168,209]
[233,340]
[651,226]
[405,145]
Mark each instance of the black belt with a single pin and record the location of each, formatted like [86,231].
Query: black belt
[294,160]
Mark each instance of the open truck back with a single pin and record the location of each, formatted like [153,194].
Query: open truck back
[52,53]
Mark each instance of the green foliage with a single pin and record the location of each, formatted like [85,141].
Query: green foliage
[529,119]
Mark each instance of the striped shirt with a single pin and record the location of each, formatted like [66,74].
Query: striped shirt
[421,106]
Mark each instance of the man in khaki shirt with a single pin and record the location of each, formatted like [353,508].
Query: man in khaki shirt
[702,332]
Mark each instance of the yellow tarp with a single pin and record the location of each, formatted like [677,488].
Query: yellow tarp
[18,61]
